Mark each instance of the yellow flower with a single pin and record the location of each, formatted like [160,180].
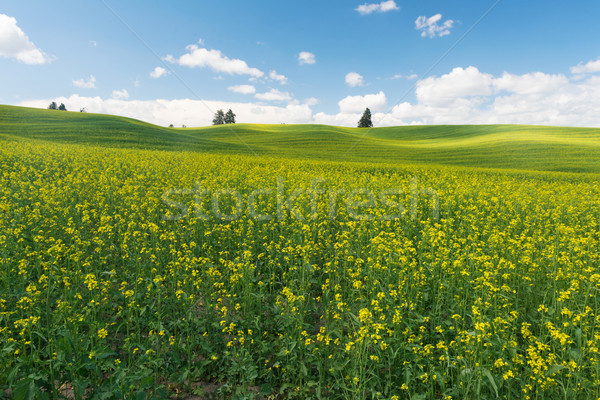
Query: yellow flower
[102,333]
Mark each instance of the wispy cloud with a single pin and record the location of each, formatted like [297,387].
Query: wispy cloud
[384,6]
[277,77]
[274,95]
[430,27]
[83,84]
[306,57]
[408,77]
[122,94]
[242,89]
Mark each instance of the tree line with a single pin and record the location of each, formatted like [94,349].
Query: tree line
[221,117]
[53,106]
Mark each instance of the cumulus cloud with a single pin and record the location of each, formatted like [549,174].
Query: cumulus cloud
[120,94]
[459,83]
[14,43]
[384,6]
[533,83]
[158,72]
[354,79]
[355,104]
[199,57]
[242,89]
[274,95]
[83,84]
[339,119]
[588,68]
[461,96]
[429,27]
[306,57]
[277,77]
[469,96]
[182,111]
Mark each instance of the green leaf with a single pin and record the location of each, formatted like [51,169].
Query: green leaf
[488,374]
[25,390]
[578,337]
[554,369]
[141,395]
[303,370]
[265,389]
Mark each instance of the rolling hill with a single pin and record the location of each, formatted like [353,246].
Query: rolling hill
[491,146]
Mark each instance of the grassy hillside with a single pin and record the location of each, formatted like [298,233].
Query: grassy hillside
[131,269]
[494,146]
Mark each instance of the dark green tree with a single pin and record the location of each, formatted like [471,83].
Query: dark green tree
[230,117]
[53,106]
[219,118]
[62,107]
[365,120]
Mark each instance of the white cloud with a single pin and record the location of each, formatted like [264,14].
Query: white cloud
[279,78]
[384,6]
[306,57]
[183,111]
[158,72]
[274,95]
[120,94]
[311,101]
[533,83]
[459,83]
[468,96]
[354,79]
[215,60]
[83,84]
[355,104]
[429,27]
[589,68]
[462,96]
[409,77]
[14,43]
[340,119]
[243,89]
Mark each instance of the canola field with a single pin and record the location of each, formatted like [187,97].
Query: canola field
[151,274]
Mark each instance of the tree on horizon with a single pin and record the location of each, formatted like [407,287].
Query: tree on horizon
[219,118]
[229,117]
[53,106]
[62,107]
[365,120]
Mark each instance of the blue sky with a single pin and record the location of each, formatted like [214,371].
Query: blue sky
[411,62]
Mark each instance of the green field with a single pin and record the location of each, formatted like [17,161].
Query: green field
[490,146]
[307,262]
